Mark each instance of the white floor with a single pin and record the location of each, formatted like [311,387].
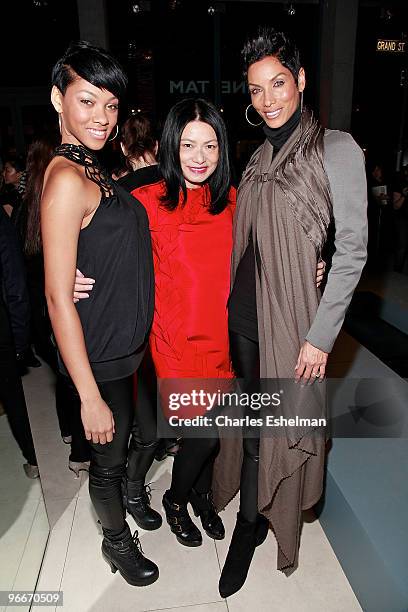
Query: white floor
[188,577]
[23,519]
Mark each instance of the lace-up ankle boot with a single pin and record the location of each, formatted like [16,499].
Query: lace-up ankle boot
[136,500]
[124,553]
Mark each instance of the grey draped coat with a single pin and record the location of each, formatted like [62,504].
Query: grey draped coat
[288,216]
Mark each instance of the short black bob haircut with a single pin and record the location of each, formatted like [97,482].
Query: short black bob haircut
[93,64]
[270,42]
[219,182]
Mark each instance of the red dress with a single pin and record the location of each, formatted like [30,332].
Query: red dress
[192,255]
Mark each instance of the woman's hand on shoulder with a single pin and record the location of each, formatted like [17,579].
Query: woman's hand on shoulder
[98,421]
[311,364]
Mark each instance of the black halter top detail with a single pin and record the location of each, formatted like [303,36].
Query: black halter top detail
[93,170]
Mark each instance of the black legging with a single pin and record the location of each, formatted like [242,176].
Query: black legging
[108,461]
[193,466]
[245,361]
[11,391]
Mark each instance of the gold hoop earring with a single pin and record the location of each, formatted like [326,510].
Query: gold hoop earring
[301,102]
[60,123]
[246,117]
[117,132]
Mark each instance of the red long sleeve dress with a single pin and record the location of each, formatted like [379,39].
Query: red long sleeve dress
[192,255]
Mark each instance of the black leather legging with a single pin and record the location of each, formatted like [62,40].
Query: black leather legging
[245,361]
[108,461]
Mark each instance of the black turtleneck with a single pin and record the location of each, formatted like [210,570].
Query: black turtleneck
[242,316]
[278,136]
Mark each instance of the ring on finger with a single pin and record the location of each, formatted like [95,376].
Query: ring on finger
[316,375]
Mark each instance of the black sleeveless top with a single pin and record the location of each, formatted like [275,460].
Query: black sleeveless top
[115,250]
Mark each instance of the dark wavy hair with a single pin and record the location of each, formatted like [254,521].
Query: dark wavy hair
[39,156]
[138,137]
[270,42]
[91,63]
[179,116]
[17,161]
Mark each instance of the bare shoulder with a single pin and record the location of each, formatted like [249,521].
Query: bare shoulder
[61,173]
[64,184]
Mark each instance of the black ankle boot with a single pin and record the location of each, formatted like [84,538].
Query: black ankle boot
[239,557]
[167,447]
[126,555]
[180,522]
[203,506]
[262,529]
[136,500]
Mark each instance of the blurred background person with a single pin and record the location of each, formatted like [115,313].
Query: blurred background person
[400,209]
[13,184]
[14,339]
[379,213]
[139,146]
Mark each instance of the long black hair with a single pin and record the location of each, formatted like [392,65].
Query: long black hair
[93,64]
[179,116]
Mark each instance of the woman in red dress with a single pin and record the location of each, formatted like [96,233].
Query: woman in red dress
[190,217]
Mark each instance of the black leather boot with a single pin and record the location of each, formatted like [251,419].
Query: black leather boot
[167,447]
[125,554]
[136,496]
[203,506]
[136,500]
[262,529]
[239,557]
[180,522]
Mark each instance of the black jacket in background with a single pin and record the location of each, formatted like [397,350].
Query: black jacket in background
[140,178]
[14,295]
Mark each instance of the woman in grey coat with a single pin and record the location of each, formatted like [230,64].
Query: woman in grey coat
[301,178]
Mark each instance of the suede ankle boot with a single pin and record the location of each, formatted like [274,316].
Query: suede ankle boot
[262,529]
[239,557]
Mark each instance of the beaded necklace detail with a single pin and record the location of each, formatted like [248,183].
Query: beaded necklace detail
[93,170]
